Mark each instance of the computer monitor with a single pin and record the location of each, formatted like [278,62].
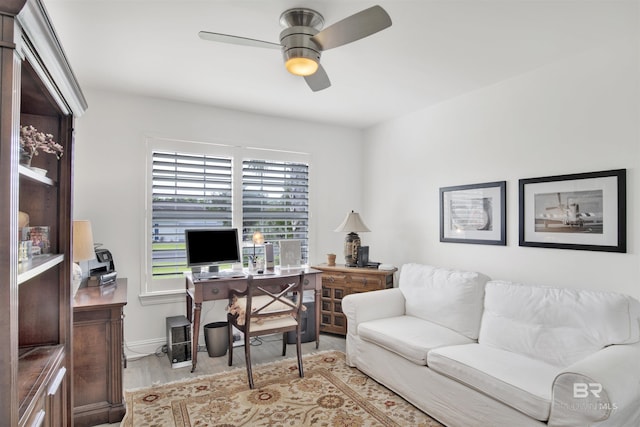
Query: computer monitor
[211,247]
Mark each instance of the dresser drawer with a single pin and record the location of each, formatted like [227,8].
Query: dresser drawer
[353,280]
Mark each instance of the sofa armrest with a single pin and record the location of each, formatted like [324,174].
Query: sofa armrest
[365,306]
[602,386]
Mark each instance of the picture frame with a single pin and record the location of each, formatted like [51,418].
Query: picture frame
[290,253]
[39,236]
[474,213]
[584,211]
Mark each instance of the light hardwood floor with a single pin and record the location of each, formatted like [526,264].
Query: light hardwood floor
[156,369]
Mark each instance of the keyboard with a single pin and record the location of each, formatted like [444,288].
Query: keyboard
[225,274]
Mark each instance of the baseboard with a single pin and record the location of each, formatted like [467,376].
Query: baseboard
[137,349]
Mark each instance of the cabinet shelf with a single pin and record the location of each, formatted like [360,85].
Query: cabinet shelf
[27,173]
[37,265]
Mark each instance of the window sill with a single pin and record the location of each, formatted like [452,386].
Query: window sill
[167,297]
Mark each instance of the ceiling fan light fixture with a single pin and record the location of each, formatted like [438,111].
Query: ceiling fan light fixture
[301,66]
[303,40]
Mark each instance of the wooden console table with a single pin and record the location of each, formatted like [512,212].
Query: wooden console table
[98,354]
[199,291]
[338,282]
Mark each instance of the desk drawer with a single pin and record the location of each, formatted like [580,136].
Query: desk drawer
[214,291]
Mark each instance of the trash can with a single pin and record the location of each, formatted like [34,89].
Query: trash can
[216,338]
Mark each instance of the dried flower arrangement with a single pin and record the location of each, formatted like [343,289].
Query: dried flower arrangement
[32,140]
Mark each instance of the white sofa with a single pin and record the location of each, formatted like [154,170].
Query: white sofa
[474,352]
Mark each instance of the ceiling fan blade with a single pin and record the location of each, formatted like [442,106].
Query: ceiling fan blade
[243,41]
[318,80]
[352,28]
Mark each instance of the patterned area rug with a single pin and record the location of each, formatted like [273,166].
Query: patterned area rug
[330,394]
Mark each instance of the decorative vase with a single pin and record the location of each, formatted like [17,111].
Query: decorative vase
[331,260]
[76,278]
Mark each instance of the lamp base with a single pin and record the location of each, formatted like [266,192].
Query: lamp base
[77,277]
[351,245]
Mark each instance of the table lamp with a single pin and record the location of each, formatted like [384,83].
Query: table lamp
[83,249]
[258,239]
[352,224]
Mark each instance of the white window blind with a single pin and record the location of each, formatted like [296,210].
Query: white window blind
[275,201]
[188,191]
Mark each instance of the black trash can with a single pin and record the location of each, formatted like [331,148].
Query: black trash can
[216,338]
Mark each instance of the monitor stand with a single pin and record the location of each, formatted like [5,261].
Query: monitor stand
[205,269]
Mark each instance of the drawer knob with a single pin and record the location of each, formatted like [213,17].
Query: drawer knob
[215,290]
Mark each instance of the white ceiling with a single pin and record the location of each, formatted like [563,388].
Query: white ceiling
[435,50]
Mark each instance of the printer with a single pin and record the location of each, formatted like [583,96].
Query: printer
[102,270]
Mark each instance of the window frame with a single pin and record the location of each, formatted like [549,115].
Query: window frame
[268,176]
[160,291]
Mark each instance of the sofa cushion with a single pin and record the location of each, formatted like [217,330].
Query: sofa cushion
[409,337]
[453,299]
[556,325]
[515,380]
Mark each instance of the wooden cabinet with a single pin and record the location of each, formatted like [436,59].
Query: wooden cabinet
[37,88]
[98,354]
[340,281]
[42,384]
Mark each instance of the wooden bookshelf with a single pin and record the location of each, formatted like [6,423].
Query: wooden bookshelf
[37,87]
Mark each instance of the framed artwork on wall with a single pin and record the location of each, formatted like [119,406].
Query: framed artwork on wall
[585,211]
[474,213]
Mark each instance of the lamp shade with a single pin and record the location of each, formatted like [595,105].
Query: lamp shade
[257,238]
[82,241]
[352,224]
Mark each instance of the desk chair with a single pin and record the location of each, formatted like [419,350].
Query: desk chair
[272,311]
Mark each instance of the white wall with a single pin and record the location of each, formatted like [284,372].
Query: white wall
[110,183]
[580,114]
[577,115]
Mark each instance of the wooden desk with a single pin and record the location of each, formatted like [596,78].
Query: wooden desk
[218,289]
[98,354]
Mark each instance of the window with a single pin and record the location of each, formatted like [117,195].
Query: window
[188,191]
[275,201]
[197,185]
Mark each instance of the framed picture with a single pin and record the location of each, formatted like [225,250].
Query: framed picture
[39,237]
[290,254]
[474,213]
[585,211]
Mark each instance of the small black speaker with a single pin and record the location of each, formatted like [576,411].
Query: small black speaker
[363,256]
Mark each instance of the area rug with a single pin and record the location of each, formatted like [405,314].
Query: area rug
[330,394]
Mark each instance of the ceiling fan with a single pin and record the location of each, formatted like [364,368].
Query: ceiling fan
[302,42]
